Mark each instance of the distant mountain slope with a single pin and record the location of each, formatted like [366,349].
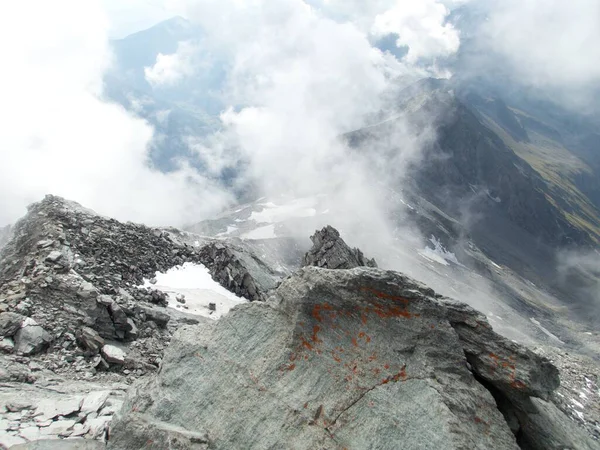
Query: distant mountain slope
[469,169]
[178,112]
[569,167]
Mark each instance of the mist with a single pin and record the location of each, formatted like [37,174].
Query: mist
[579,276]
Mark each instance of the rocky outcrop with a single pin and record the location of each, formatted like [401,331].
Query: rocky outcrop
[78,275]
[5,235]
[72,305]
[31,338]
[74,415]
[331,252]
[233,268]
[359,358]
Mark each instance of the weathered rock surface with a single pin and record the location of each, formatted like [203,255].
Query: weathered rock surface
[331,252]
[31,338]
[113,354]
[54,444]
[73,415]
[89,339]
[237,271]
[10,323]
[77,274]
[358,358]
[70,283]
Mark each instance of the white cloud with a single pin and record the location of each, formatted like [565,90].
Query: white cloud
[169,69]
[59,137]
[547,42]
[421,26]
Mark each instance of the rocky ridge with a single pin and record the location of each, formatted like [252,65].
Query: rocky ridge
[71,301]
[331,252]
[360,358]
[74,324]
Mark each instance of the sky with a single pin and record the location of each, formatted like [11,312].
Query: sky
[129,16]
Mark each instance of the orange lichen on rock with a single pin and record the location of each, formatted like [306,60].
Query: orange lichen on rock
[400,376]
[518,384]
[315,335]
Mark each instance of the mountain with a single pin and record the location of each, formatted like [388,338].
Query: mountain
[475,187]
[230,343]
[179,113]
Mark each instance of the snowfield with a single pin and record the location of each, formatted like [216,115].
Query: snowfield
[273,213]
[195,283]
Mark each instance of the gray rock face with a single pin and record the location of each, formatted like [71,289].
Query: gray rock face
[68,268]
[89,339]
[10,323]
[113,355]
[331,252]
[232,270]
[358,358]
[60,444]
[31,338]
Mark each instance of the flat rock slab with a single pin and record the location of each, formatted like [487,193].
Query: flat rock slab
[48,409]
[94,401]
[61,444]
[113,354]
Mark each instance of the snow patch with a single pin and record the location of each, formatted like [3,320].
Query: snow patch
[273,213]
[267,232]
[195,283]
[230,229]
[545,331]
[407,205]
[438,253]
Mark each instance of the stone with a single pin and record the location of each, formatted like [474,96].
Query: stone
[118,316]
[30,433]
[89,339]
[54,256]
[180,298]
[546,428]
[7,345]
[45,243]
[87,291]
[133,332]
[61,428]
[10,441]
[113,355]
[35,366]
[212,306]
[160,318]
[18,406]
[48,409]
[31,338]
[61,444]
[357,358]
[98,426]
[330,251]
[10,323]
[94,401]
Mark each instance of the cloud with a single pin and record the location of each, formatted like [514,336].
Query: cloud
[549,42]
[579,277]
[421,26]
[169,69]
[297,80]
[58,136]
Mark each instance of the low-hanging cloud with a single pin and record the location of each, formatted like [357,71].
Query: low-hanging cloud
[60,137]
[550,42]
[169,69]
[548,45]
